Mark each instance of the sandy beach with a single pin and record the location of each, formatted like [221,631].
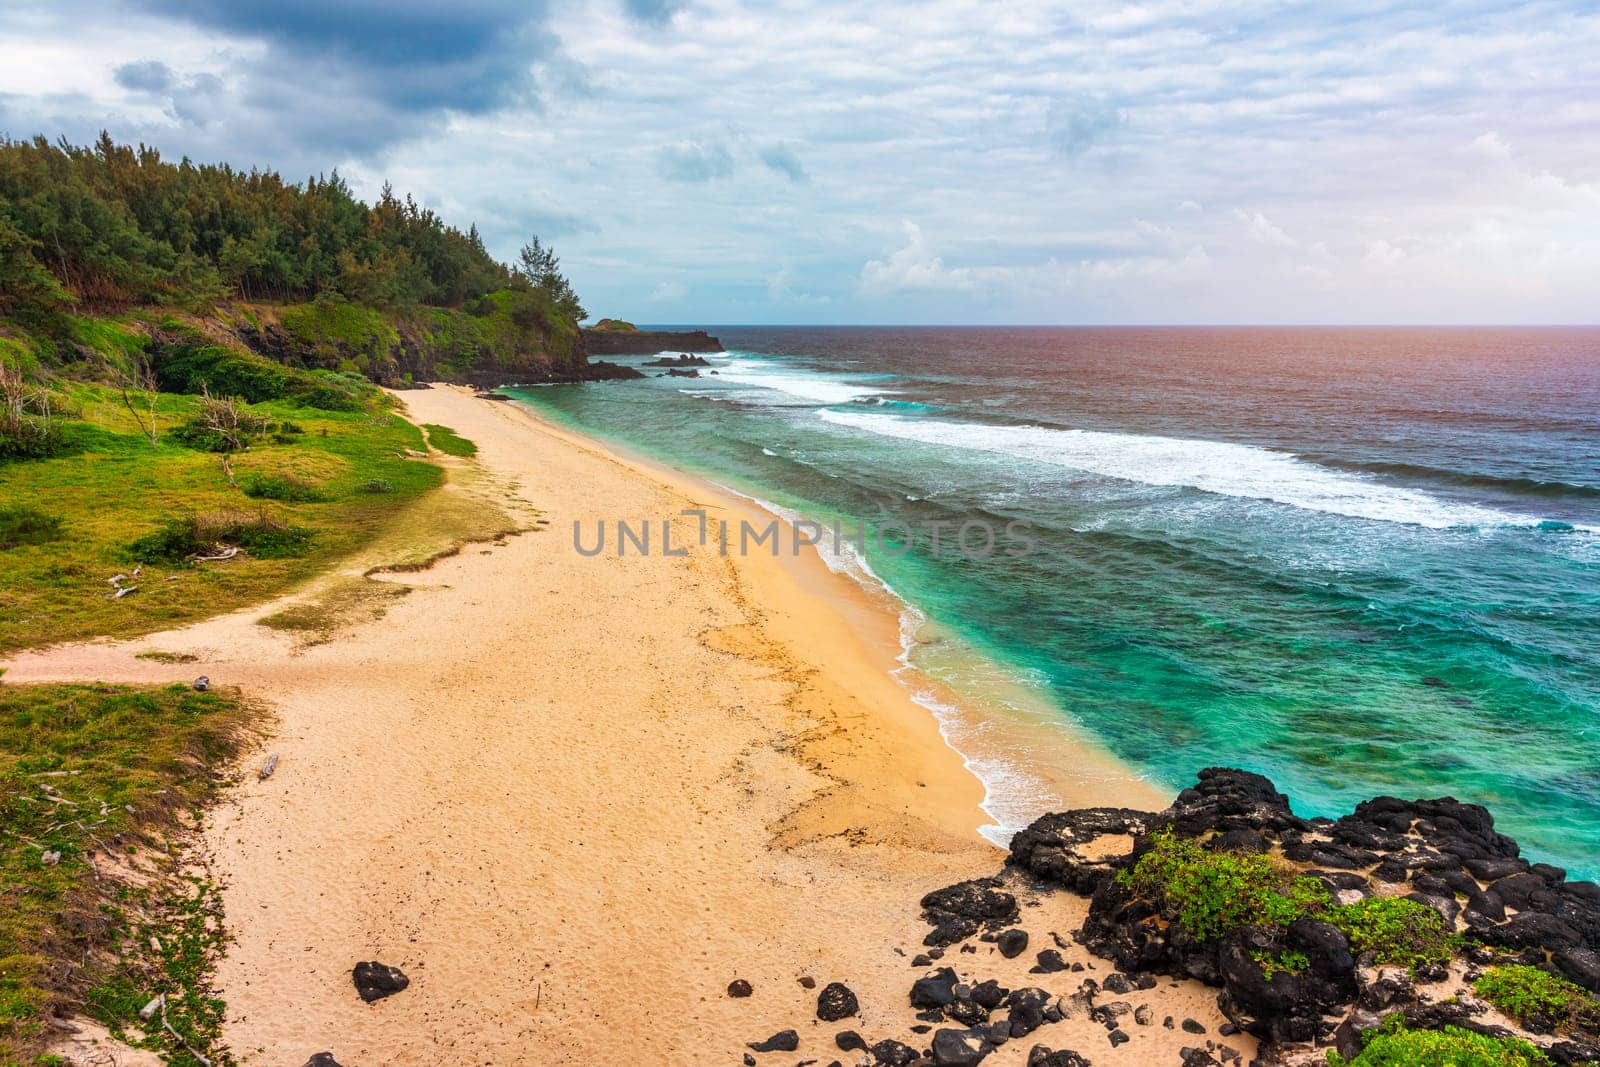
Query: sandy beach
[573,797]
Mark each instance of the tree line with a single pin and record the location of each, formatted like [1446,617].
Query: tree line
[111,225]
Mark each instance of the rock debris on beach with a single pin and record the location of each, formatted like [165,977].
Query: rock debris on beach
[375,980]
[782,1041]
[836,1002]
[1496,907]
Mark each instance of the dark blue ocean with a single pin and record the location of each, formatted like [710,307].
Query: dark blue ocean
[1357,560]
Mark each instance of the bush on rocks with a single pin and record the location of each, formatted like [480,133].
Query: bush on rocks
[1396,930]
[1215,893]
[1396,1046]
[1537,999]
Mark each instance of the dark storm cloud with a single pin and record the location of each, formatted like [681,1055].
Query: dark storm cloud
[781,158]
[470,56]
[1073,126]
[657,11]
[145,76]
[695,161]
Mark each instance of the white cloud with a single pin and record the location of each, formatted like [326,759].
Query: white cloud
[914,266]
[1264,231]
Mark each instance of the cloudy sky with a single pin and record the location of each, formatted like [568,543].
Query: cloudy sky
[948,161]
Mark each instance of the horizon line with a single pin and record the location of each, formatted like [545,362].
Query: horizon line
[705,323]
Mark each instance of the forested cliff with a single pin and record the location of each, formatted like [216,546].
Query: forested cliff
[111,255]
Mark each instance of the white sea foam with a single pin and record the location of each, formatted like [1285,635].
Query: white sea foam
[768,452]
[795,384]
[1211,466]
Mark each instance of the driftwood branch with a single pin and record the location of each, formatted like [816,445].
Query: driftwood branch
[165,1025]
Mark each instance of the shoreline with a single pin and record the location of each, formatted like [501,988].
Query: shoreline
[1065,768]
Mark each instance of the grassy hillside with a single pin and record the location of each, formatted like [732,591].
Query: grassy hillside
[312,485]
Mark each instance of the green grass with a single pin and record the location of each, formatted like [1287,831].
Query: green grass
[100,774]
[1523,992]
[448,441]
[1395,1046]
[22,525]
[1398,931]
[115,489]
[1217,892]
[284,487]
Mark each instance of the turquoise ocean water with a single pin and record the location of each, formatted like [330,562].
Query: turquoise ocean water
[1357,560]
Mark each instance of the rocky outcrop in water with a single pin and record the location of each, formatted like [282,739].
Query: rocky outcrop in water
[685,360]
[648,342]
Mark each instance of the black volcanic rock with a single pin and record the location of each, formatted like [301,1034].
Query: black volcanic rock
[1027,1008]
[375,980]
[958,911]
[891,1053]
[684,360]
[990,994]
[782,1041]
[1299,987]
[1050,962]
[960,1048]
[1049,847]
[600,371]
[739,988]
[836,1002]
[849,1041]
[937,990]
[322,1059]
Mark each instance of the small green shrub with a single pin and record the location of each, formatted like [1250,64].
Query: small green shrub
[376,485]
[222,425]
[1217,892]
[282,487]
[1399,931]
[1395,1046]
[1283,963]
[448,441]
[181,539]
[22,525]
[29,438]
[1522,992]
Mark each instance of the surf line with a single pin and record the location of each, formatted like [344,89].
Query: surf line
[974,538]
